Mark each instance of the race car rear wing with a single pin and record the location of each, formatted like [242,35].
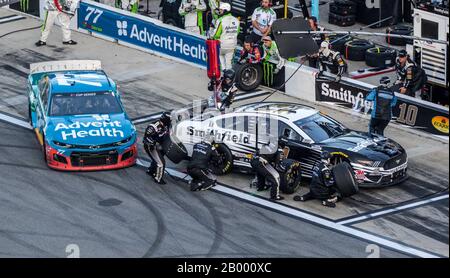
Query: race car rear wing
[67,65]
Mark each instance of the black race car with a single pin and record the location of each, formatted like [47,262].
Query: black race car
[376,161]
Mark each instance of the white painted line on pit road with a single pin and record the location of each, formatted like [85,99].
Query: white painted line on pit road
[15,121]
[286,210]
[146,119]
[11,18]
[391,210]
[309,217]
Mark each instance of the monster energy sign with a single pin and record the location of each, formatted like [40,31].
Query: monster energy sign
[8,2]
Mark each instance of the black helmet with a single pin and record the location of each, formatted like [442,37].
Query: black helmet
[402,53]
[325,155]
[229,74]
[385,81]
[165,118]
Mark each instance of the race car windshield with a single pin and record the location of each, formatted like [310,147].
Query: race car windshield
[84,103]
[320,127]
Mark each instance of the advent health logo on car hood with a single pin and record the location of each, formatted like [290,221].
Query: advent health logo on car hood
[89,129]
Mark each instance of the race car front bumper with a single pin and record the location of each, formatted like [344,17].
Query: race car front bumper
[91,161]
[372,177]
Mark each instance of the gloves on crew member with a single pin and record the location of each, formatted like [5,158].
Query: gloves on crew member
[338,79]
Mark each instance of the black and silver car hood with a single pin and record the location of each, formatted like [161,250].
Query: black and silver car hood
[359,145]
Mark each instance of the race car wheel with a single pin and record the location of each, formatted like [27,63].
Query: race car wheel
[176,152]
[380,57]
[356,50]
[338,42]
[399,30]
[341,20]
[248,76]
[224,164]
[291,178]
[344,179]
[343,7]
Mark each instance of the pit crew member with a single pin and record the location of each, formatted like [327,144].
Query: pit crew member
[63,16]
[128,5]
[225,89]
[249,53]
[318,38]
[264,163]
[384,100]
[331,60]
[203,153]
[272,60]
[410,76]
[192,10]
[226,30]
[262,20]
[153,137]
[322,184]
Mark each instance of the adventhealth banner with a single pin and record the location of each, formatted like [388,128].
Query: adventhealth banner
[416,114]
[142,32]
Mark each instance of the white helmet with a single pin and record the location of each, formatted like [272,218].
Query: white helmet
[225,7]
[209,136]
[325,48]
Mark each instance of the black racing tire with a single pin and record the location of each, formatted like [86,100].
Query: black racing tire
[290,180]
[380,57]
[176,152]
[341,20]
[344,179]
[343,7]
[338,44]
[355,50]
[248,76]
[399,30]
[225,164]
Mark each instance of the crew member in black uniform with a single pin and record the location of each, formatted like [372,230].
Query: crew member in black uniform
[318,38]
[384,100]
[410,77]
[226,88]
[264,164]
[202,154]
[153,138]
[322,184]
[331,60]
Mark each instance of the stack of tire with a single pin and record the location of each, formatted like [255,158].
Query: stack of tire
[380,57]
[399,30]
[342,13]
[338,41]
[355,50]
